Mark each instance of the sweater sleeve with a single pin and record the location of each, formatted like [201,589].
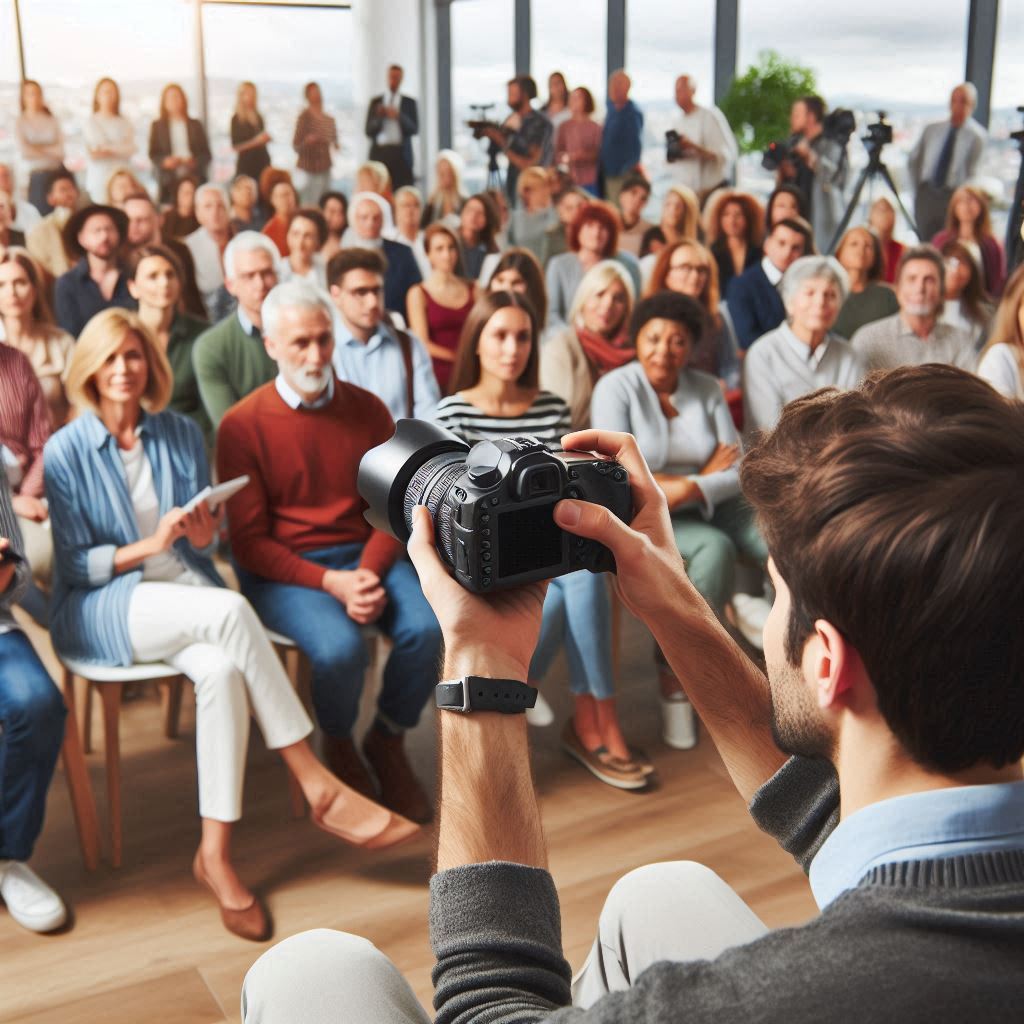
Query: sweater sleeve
[215,387]
[38,433]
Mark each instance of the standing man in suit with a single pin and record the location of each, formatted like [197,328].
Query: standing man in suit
[753,298]
[945,157]
[391,121]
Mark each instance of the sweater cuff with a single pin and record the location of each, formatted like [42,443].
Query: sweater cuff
[309,574]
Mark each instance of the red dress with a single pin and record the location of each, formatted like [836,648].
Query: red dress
[445,326]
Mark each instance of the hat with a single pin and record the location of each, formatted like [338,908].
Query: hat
[77,221]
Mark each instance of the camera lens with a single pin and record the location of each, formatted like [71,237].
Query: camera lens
[431,485]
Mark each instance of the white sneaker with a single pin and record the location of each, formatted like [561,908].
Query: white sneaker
[31,902]
[540,714]
[678,722]
[751,615]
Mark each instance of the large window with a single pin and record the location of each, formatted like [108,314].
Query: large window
[563,39]
[483,60]
[9,78]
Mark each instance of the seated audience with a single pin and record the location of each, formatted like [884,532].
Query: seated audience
[518,271]
[154,280]
[593,237]
[308,561]
[120,185]
[685,432]
[94,236]
[144,229]
[680,220]
[179,219]
[27,325]
[438,308]
[135,583]
[249,139]
[556,240]
[408,218]
[882,221]
[316,135]
[916,334]
[578,140]
[40,142]
[803,353]
[45,241]
[307,234]
[33,715]
[860,254]
[245,211]
[967,305]
[478,227]
[178,145]
[26,216]
[496,393]
[688,268]
[371,228]
[8,235]
[786,202]
[334,206]
[734,230]
[595,340]
[207,244]
[1002,359]
[534,213]
[284,201]
[755,305]
[636,190]
[230,359]
[445,202]
[368,351]
[968,221]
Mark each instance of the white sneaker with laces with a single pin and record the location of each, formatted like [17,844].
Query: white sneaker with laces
[678,722]
[751,615]
[31,902]
[540,714]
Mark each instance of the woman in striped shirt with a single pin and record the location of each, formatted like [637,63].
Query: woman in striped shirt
[495,393]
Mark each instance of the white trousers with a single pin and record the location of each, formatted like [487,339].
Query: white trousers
[213,636]
[679,911]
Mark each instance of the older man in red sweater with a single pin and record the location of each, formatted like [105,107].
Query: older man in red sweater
[306,558]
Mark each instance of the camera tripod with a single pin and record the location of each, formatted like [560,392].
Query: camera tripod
[1014,245]
[875,169]
[494,180]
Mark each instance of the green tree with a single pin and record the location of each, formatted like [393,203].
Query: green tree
[757,104]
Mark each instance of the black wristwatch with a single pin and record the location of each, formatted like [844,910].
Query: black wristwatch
[477,693]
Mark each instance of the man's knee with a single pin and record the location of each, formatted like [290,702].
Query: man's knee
[655,889]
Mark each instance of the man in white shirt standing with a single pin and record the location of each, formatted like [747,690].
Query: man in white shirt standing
[207,244]
[391,121]
[707,146]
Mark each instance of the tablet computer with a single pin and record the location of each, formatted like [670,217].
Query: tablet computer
[213,496]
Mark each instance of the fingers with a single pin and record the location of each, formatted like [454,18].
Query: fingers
[585,519]
[624,449]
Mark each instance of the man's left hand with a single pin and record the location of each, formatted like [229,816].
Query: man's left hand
[487,636]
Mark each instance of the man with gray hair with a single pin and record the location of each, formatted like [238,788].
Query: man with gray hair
[207,244]
[229,358]
[706,148]
[946,156]
[802,354]
[306,558]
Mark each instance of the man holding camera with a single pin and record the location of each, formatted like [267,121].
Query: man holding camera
[894,655]
[817,165]
[703,149]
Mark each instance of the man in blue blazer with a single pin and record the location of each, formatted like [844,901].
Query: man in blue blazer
[753,298]
[391,121]
[370,223]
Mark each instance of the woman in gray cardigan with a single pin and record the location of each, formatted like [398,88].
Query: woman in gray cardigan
[682,424]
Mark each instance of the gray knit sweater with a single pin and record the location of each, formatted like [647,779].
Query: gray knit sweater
[929,941]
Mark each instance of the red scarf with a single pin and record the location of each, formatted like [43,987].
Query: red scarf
[605,355]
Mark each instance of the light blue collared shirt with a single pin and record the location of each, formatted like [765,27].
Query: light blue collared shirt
[294,399]
[934,825]
[378,367]
[247,325]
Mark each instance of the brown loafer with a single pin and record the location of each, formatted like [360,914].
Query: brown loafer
[399,788]
[343,759]
[252,923]
[611,770]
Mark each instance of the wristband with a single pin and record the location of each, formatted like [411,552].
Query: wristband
[478,693]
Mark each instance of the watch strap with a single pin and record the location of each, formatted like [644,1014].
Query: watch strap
[478,693]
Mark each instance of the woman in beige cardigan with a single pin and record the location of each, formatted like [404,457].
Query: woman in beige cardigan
[595,341]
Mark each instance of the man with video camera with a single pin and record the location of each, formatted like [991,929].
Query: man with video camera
[895,655]
[816,163]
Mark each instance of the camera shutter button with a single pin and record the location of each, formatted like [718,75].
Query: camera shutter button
[484,476]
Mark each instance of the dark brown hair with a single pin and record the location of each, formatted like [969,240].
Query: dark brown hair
[144,252]
[753,213]
[316,218]
[347,260]
[801,227]
[96,95]
[523,261]
[271,176]
[588,98]
[466,372]
[973,298]
[982,223]
[922,252]
[40,308]
[894,513]
[163,100]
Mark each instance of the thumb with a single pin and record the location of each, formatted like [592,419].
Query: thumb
[585,519]
[421,548]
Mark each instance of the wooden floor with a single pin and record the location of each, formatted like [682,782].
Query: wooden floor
[147,943]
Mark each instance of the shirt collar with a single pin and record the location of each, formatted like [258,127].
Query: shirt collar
[905,330]
[248,326]
[294,400]
[343,336]
[933,825]
[802,350]
[98,435]
[771,271]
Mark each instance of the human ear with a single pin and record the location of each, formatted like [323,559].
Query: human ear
[831,664]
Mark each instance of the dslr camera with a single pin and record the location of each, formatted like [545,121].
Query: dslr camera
[775,153]
[673,146]
[880,133]
[492,503]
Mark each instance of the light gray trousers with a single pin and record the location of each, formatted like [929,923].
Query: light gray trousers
[677,911]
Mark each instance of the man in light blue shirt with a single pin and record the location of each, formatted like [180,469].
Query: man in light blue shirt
[369,351]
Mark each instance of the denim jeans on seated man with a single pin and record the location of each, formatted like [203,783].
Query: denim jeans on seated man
[336,647]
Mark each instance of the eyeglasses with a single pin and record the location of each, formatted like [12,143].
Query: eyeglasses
[689,268]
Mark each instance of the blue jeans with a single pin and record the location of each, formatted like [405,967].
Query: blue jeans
[32,716]
[577,611]
[334,644]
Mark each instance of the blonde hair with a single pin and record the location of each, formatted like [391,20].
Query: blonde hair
[689,226]
[1006,328]
[122,172]
[248,116]
[595,280]
[378,171]
[530,177]
[102,336]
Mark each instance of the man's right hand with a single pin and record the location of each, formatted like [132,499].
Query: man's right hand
[31,508]
[359,590]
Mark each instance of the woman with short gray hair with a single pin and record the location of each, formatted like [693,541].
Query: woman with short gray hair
[802,354]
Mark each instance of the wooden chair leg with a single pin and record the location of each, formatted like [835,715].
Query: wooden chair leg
[84,698]
[110,695]
[171,692]
[83,804]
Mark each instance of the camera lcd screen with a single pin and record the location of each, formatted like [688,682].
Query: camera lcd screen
[528,539]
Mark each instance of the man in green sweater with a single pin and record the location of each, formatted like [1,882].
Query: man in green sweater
[895,656]
[230,359]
